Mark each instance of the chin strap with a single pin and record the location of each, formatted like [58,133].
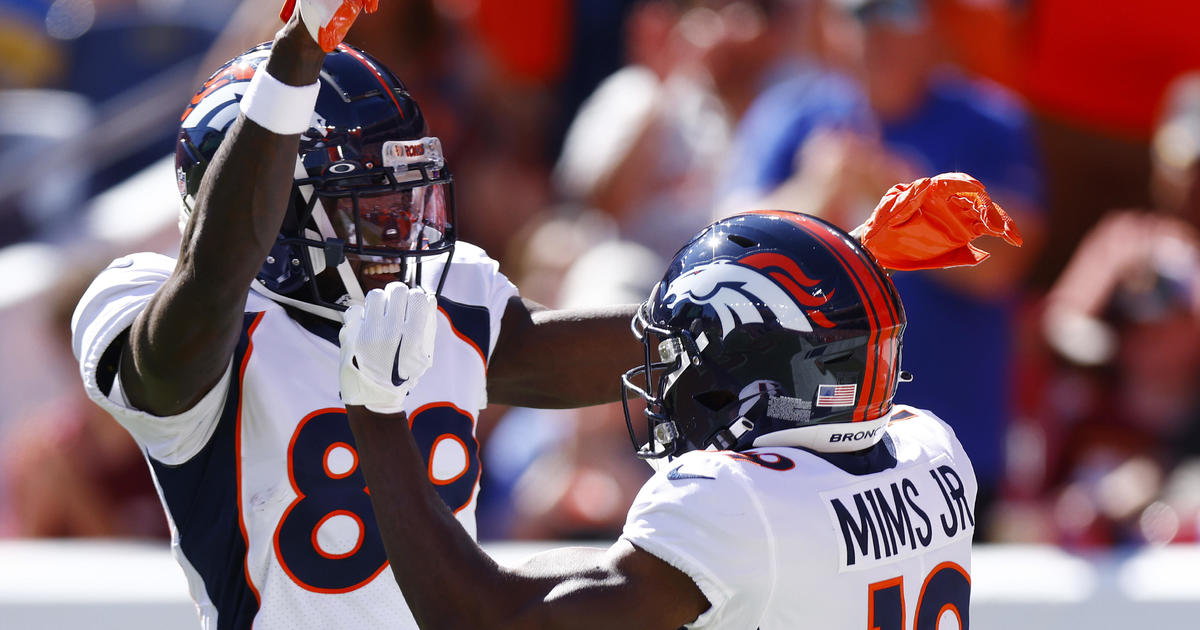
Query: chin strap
[331,314]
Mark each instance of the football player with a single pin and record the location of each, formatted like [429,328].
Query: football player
[308,177]
[790,492]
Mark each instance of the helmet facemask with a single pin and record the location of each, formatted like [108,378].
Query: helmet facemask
[692,401]
[665,359]
[371,193]
[381,221]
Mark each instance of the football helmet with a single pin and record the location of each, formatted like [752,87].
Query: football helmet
[370,185]
[770,328]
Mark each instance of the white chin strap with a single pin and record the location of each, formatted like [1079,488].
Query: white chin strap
[321,311]
[325,231]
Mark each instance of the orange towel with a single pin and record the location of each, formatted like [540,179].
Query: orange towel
[930,223]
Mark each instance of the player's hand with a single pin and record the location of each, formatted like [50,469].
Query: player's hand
[387,344]
[328,21]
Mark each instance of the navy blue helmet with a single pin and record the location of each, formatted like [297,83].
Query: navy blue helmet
[370,185]
[769,328]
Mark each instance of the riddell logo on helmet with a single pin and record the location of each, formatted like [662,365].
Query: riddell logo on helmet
[852,437]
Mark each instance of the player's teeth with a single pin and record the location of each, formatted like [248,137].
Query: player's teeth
[378,268]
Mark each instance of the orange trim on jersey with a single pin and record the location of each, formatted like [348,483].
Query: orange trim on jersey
[466,339]
[881,314]
[951,608]
[325,460]
[896,582]
[948,605]
[416,412]
[237,445]
[362,531]
[370,66]
[432,451]
[781,463]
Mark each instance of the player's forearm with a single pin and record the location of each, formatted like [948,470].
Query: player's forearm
[182,342]
[447,580]
[247,186]
[562,358]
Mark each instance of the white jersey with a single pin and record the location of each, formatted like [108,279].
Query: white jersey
[268,510]
[781,538]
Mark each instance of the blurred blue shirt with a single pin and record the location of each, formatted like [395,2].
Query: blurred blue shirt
[958,347]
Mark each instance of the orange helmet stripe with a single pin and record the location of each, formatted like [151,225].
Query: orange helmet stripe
[879,373]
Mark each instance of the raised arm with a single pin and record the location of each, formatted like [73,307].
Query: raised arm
[551,358]
[180,345]
[449,582]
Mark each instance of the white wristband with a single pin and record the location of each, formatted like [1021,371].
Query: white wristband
[278,107]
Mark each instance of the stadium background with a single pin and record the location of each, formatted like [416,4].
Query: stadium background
[591,137]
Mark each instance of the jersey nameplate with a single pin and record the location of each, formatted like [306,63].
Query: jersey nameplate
[904,515]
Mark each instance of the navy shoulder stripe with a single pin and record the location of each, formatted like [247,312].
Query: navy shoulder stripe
[202,497]
[470,322]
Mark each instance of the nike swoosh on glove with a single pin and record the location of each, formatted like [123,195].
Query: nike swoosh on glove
[387,344]
[328,21]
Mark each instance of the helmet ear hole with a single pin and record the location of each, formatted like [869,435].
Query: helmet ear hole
[833,360]
[715,400]
[741,240]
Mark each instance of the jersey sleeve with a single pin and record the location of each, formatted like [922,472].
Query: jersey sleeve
[475,278]
[502,291]
[104,314]
[698,516]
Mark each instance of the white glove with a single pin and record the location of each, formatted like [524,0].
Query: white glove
[328,21]
[387,344]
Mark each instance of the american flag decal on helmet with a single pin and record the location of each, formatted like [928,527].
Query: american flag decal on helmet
[836,395]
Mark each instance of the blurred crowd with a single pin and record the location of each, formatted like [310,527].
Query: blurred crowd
[590,138]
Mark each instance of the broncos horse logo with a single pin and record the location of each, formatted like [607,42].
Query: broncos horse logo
[739,291]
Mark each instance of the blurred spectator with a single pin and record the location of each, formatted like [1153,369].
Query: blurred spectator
[69,470]
[1120,405]
[598,48]
[960,333]
[806,97]
[642,147]
[927,119]
[648,146]
[1175,151]
[1114,411]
